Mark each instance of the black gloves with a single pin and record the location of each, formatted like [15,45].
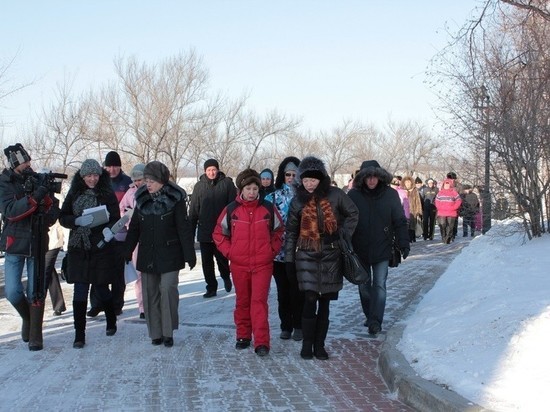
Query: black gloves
[40,193]
[405,252]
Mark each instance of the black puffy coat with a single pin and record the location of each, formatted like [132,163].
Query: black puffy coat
[379,209]
[95,266]
[161,226]
[319,271]
[208,199]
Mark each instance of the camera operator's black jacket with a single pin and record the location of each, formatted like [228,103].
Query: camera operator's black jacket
[18,211]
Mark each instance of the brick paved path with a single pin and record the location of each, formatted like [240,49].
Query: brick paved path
[203,371]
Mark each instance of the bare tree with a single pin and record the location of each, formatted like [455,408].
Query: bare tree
[505,51]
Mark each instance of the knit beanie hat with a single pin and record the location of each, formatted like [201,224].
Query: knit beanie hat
[16,155]
[112,159]
[156,171]
[418,180]
[137,171]
[312,167]
[90,167]
[291,167]
[247,177]
[266,174]
[211,162]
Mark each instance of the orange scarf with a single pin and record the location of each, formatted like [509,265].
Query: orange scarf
[310,235]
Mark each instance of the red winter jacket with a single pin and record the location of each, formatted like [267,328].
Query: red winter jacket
[447,200]
[251,242]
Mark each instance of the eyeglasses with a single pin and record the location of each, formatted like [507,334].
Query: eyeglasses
[290,174]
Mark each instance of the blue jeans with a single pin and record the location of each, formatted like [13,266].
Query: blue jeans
[13,272]
[373,295]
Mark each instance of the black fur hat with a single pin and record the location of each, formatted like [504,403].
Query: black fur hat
[156,171]
[247,177]
[311,166]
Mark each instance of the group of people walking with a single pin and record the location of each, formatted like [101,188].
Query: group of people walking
[287,226]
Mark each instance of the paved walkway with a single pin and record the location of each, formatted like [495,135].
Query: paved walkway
[203,371]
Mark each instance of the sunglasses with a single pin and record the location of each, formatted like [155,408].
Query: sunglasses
[290,174]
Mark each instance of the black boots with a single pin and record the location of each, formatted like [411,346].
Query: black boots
[308,332]
[35,331]
[110,316]
[79,315]
[320,335]
[22,308]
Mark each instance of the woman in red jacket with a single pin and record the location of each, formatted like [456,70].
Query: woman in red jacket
[447,203]
[250,238]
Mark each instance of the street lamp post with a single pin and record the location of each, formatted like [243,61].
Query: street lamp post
[484,106]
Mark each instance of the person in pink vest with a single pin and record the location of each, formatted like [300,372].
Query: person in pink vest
[448,203]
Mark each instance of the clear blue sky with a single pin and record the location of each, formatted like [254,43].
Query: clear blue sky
[323,60]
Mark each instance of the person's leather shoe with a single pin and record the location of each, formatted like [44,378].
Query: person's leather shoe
[262,350]
[142,315]
[209,294]
[57,313]
[168,342]
[297,335]
[157,341]
[242,343]
[93,312]
[227,285]
[285,334]
[374,328]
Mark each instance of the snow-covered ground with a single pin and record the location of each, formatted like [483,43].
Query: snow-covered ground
[484,329]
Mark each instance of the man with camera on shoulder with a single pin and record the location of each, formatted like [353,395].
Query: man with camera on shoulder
[28,207]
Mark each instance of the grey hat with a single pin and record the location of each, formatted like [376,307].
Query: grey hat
[90,167]
[137,171]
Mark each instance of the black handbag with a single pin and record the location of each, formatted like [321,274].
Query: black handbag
[352,268]
[395,257]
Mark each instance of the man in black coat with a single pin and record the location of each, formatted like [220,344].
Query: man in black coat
[211,194]
[381,218]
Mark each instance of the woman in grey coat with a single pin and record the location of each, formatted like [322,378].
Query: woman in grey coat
[317,213]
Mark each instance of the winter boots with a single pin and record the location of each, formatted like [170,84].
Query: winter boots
[320,336]
[79,315]
[23,308]
[110,317]
[308,332]
[35,331]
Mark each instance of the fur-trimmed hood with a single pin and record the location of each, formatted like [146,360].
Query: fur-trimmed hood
[280,180]
[384,177]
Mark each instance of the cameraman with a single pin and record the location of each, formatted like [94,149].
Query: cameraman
[20,205]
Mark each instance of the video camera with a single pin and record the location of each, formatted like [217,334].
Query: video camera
[33,180]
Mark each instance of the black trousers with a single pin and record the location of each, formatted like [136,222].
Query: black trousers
[428,222]
[289,297]
[209,251]
[54,287]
